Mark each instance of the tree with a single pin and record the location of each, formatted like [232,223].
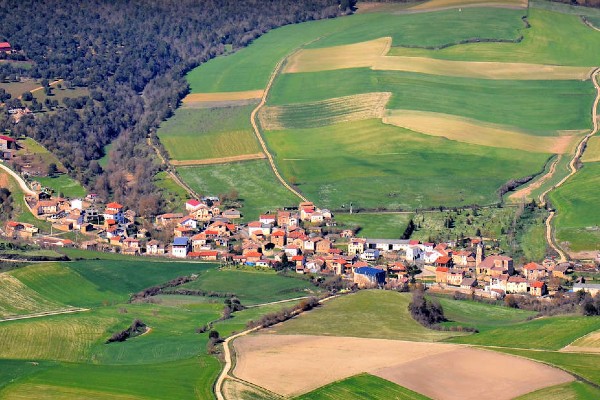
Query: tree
[27,96]
[52,169]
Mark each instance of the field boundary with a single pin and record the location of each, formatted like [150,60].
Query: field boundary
[219,160]
[44,314]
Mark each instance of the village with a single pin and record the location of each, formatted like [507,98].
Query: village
[303,238]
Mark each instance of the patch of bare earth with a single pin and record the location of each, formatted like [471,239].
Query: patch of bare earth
[294,364]
[220,160]
[525,192]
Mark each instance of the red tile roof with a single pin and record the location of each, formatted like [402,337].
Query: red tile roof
[443,260]
[2,137]
[114,205]
[297,258]
[193,202]
[537,284]
[441,269]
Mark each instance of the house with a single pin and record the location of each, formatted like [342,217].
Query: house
[460,258]
[323,246]
[232,213]
[388,244]
[299,261]
[114,211]
[444,261]
[267,219]
[499,282]
[441,275]
[5,47]
[131,243]
[168,218]
[316,218]
[516,284]
[188,222]
[356,246]
[20,230]
[116,207]
[534,271]
[455,276]
[180,247]
[413,253]
[193,205]
[591,288]
[499,263]
[278,239]
[155,247]
[7,143]
[561,270]
[370,255]
[207,255]
[45,207]
[368,276]
[538,288]
[468,283]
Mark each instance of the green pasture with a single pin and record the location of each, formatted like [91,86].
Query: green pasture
[548,333]
[255,183]
[13,370]
[385,226]
[176,195]
[105,159]
[64,184]
[249,68]
[559,105]
[481,316]
[577,220]
[370,314]
[554,38]
[253,287]
[376,165]
[573,390]
[196,134]
[363,386]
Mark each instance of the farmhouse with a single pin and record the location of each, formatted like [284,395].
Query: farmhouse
[534,271]
[368,276]
[516,284]
[180,247]
[155,247]
[495,266]
[538,288]
[356,246]
[20,230]
[468,283]
[45,207]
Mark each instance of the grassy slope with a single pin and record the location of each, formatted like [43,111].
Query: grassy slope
[373,165]
[559,104]
[253,180]
[64,184]
[16,298]
[553,38]
[387,226]
[567,391]
[363,386]
[176,195]
[578,219]
[195,134]
[551,333]
[371,314]
[252,287]
[232,73]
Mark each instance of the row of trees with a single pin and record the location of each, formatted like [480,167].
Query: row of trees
[133,55]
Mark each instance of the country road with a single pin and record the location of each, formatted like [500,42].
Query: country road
[573,167]
[20,181]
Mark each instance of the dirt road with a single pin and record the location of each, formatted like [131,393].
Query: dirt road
[20,181]
[44,314]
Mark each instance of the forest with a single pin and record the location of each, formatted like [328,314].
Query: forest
[132,55]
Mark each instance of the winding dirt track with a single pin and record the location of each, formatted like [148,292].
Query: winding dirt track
[20,181]
[573,167]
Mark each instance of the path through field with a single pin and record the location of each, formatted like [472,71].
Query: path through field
[573,167]
[44,314]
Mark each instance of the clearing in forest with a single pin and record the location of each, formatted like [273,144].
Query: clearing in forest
[475,132]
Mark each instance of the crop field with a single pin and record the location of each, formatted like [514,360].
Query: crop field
[376,165]
[253,287]
[385,226]
[196,99]
[375,314]
[566,391]
[16,298]
[474,132]
[252,180]
[560,105]
[196,134]
[549,333]
[362,386]
[578,222]
[592,150]
[589,343]
[436,4]
[554,38]
[322,113]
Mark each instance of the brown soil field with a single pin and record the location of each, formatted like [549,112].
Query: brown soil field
[587,344]
[295,364]
[592,151]
[363,54]
[222,96]
[220,160]
[476,132]
[440,4]
[483,70]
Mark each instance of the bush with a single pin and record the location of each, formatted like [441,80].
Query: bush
[426,312]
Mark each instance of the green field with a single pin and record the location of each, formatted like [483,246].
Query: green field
[64,184]
[573,390]
[553,38]
[176,195]
[232,72]
[577,221]
[385,226]
[548,333]
[253,287]
[376,165]
[363,386]
[370,314]
[560,105]
[196,134]
[255,183]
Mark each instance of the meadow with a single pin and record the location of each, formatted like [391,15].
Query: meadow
[376,165]
[578,221]
[253,181]
[374,314]
[363,386]
[195,134]
[64,184]
[175,194]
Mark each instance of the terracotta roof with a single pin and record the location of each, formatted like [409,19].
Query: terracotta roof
[297,258]
[413,242]
[516,279]
[537,284]
[193,202]
[278,233]
[533,266]
[114,205]
[255,224]
[443,260]
[441,269]
[253,254]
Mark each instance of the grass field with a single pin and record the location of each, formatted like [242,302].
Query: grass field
[175,194]
[592,150]
[567,391]
[560,105]
[590,341]
[363,386]
[375,314]
[549,333]
[16,298]
[64,184]
[386,226]
[195,134]
[253,287]
[577,221]
[553,38]
[403,167]
[255,183]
